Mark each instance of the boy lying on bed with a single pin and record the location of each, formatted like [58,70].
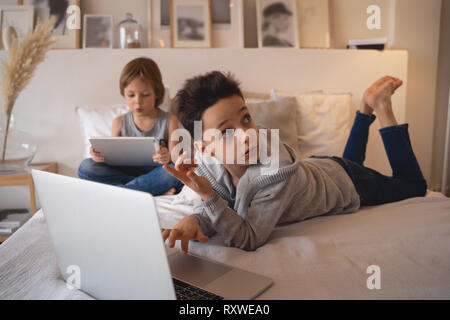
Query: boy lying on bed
[244,206]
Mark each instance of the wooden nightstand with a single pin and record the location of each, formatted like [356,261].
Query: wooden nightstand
[25,179]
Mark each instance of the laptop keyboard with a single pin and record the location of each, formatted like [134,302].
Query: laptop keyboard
[185,291]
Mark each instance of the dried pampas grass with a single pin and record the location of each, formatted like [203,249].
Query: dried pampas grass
[19,68]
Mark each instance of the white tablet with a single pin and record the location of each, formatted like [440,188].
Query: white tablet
[127,151]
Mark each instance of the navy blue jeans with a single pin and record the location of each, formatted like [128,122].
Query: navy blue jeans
[373,187]
[155,180]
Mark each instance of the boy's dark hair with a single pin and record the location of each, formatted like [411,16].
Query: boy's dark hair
[201,92]
[146,69]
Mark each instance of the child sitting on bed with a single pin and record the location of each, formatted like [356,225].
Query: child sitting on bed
[141,86]
[244,206]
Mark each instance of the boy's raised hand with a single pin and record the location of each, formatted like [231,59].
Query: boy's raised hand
[183,172]
[96,156]
[185,230]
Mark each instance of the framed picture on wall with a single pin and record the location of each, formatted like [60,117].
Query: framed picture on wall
[65,38]
[190,22]
[97,31]
[227,23]
[277,23]
[227,17]
[160,12]
[15,21]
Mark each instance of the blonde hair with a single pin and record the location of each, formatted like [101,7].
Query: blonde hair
[146,69]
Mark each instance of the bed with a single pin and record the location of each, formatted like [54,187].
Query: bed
[329,257]
[326,257]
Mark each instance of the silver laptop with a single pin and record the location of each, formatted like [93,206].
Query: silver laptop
[117,150]
[112,238]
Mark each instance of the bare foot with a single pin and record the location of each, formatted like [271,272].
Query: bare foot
[378,97]
[170,192]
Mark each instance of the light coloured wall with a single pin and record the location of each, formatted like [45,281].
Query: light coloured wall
[348,20]
[442,101]
[417,27]
[412,25]
[8,1]
[69,78]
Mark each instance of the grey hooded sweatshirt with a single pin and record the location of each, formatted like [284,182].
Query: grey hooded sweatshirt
[246,215]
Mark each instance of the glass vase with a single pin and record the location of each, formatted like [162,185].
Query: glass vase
[19,151]
[130,33]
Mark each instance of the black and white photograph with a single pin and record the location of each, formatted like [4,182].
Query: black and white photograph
[227,23]
[277,23]
[165,12]
[191,23]
[97,31]
[159,26]
[220,12]
[44,9]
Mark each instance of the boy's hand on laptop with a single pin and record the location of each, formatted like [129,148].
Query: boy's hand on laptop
[183,172]
[185,230]
[96,156]
[162,156]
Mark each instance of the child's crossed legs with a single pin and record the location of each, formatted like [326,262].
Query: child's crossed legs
[373,187]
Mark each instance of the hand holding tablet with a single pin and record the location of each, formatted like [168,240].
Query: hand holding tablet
[126,151]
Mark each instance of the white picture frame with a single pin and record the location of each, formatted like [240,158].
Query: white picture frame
[97,31]
[17,16]
[190,23]
[224,35]
[230,35]
[65,37]
[277,24]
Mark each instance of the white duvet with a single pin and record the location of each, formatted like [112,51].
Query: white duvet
[322,258]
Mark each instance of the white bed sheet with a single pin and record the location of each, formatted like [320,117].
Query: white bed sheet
[321,258]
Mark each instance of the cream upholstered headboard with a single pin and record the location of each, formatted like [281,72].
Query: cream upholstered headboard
[70,78]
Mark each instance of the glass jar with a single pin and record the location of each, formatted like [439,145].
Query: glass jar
[19,151]
[130,33]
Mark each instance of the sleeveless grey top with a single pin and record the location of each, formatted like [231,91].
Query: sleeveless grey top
[160,129]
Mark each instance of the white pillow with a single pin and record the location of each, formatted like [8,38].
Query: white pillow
[323,122]
[97,121]
[277,114]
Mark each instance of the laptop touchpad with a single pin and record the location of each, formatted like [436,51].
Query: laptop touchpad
[195,270]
